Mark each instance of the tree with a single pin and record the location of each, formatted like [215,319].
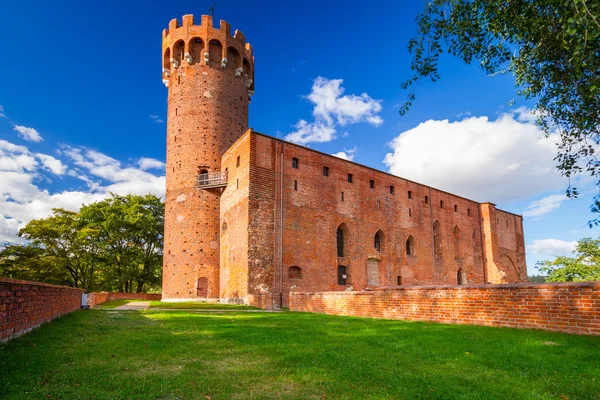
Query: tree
[130,236]
[552,48]
[114,244]
[584,266]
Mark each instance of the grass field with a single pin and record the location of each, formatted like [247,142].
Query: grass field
[191,305]
[104,354]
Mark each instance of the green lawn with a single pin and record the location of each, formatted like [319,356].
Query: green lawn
[186,355]
[190,305]
[113,304]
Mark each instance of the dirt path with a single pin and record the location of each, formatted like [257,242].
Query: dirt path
[137,306]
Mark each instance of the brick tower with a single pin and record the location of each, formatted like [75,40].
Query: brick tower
[210,77]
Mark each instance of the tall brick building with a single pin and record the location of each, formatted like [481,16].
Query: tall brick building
[249,218]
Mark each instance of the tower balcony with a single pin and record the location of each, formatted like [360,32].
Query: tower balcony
[211,180]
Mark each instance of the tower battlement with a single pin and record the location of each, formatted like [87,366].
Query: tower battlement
[188,45]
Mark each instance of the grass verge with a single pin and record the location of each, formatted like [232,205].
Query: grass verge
[185,355]
[193,305]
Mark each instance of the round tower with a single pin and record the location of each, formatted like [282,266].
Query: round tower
[210,77]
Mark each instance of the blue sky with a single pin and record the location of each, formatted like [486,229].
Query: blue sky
[82,99]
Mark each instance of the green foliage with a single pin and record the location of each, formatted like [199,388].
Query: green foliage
[113,245]
[551,47]
[98,354]
[584,266]
[537,279]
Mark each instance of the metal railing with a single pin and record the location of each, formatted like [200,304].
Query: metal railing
[212,179]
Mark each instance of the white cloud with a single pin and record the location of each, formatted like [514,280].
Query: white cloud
[150,163]
[2,111]
[52,164]
[317,132]
[29,134]
[346,154]
[544,205]
[552,247]
[330,104]
[501,160]
[22,199]
[156,119]
[333,108]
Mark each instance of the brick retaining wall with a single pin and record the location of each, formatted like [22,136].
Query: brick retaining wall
[25,305]
[562,307]
[96,298]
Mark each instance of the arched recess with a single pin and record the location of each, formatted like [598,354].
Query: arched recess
[167,59]
[461,277]
[196,49]
[247,68]
[215,50]
[437,240]
[457,243]
[295,273]
[224,228]
[378,240]
[510,270]
[234,60]
[410,246]
[342,240]
[179,50]
[476,248]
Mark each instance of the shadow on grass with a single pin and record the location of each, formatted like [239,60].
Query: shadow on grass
[173,354]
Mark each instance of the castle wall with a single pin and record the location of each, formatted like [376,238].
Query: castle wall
[311,207]
[209,76]
[562,307]
[234,224]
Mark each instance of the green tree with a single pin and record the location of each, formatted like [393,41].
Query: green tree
[584,266]
[129,232]
[113,245]
[551,47]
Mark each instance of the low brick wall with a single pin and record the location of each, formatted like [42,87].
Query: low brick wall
[25,305]
[562,307]
[96,298]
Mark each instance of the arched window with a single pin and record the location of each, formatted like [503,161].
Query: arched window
[215,53]
[340,242]
[178,50]
[410,246]
[295,273]
[437,240]
[196,48]
[377,240]
[167,59]
[224,227]
[461,277]
[457,243]
[234,61]
[247,68]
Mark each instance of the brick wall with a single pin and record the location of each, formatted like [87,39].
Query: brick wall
[25,305]
[96,298]
[563,307]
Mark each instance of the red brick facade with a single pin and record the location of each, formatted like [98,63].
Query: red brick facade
[285,203]
[276,224]
[26,305]
[562,307]
[209,74]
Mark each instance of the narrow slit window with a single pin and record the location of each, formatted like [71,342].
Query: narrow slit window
[342,196]
[455,208]
[378,205]
[350,178]
[410,195]
[295,163]
[392,189]
[372,184]
[399,280]
[426,199]
[409,212]
[469,212]
[441,203]
[237,161]
[325,171]
[296,185]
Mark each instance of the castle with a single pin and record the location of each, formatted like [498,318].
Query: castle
[249,218]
